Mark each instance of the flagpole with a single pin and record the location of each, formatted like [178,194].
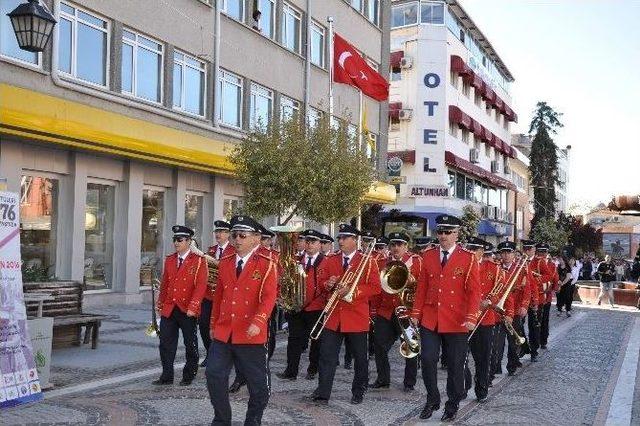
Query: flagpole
[360,122]
[331,59]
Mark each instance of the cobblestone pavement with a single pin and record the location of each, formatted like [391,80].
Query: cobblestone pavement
[572,384]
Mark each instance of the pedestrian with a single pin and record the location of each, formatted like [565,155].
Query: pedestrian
[563,296]
[184,283]
[606,275]
[242,304]
[619,270]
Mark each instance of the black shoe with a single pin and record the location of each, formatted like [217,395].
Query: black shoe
[568,314]
[310,375]
[499,371]
[408,388]
[448,416]
[511,373]
[356,399]
[286,376]
[185,382]
[519,365]
[464,395]
[534,358]
[318,400]
[428,410]
[482,400]
[162,382]
[203,363]
[543,346]
[378,385]
[347,365]
[236,386]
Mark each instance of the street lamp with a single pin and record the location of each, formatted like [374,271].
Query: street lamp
[33,25]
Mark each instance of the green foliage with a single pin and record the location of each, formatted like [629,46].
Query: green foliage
[549,231]
[543,166]
[371,220]
[582,236]
[470,221]
[288,169]
[34,273]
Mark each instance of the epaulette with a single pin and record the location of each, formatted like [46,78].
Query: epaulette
[466,249]
[265,256]
[429,249]
[227,256]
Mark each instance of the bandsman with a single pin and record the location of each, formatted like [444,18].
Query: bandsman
[542,251]
[529,250]
[446,309]
[386,325]
[327,244]
[183,286]
[423,244]
[243,301]
[349,321]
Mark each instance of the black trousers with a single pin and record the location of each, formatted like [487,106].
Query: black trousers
[513,351]
[271,343]
[565,297]
[499,334]
[481,344]
[204,324]
[300,325]
[251,361]
[455,354]
[543,315]
[534,331]
[330,344]
[169,331]
[386,332]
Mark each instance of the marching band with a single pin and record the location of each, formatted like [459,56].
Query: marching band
[445,299]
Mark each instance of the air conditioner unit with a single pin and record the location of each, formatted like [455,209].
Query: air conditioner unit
[507,169]
[494,166]
[405,114]
[406,62]
[474,155]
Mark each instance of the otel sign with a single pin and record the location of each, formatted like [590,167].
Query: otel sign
[394,164]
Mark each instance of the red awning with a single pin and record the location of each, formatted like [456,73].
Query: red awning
[459,66]
[460,118]
[406,156]
[489,95]
[466,166]
[477,82]
[478,129]
[394,110]
[488,136]
[498,103]
[395,59]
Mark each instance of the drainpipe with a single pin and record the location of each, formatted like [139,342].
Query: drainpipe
[307,64]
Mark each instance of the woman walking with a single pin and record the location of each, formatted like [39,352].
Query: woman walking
[568,271]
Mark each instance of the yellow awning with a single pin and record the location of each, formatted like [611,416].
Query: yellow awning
[46,118]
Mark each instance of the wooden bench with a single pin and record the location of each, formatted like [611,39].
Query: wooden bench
[66,310]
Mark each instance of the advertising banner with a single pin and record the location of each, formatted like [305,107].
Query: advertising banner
[18,374]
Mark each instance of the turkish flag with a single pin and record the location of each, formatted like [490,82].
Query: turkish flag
[349,67]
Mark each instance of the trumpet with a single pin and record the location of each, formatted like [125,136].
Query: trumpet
[212,279]
[512,331]
[349,280]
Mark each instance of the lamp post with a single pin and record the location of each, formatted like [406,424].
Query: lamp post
[33,25]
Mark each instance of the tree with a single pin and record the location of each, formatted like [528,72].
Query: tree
[470,220]
[288,168]
[582,236]
[543,166]
[549,231]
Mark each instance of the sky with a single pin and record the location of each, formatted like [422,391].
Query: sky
[583,58]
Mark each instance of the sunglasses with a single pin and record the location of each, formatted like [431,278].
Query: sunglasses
[395,243]
[241,235]
[444,231]
[179,239]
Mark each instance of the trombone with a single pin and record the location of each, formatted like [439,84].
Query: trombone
[349,279]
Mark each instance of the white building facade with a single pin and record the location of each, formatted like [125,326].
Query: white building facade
[450,118]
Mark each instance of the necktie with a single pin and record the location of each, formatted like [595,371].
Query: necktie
[345,263]
[308,264]
[239,268]
[219,252]
[180,260]
[445,255]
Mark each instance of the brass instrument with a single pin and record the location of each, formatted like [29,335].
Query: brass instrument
[396,278]
[349,280]
[212,279]
[512,331]
[293,278]
[153,330]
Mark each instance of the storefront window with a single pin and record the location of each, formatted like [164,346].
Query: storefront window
[152,235]
[452,184]
[98,249]
[494,197]
[193,215]
[469,190]
[460,188]
[38,220]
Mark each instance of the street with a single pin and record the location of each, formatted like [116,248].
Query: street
[586,376]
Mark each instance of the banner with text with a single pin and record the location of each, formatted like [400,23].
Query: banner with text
[18,375]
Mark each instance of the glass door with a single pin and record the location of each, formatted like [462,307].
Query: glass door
[98,250]
[151,252]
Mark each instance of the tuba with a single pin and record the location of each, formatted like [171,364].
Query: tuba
[293,278]
[212,279]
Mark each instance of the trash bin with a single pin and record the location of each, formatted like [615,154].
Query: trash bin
[41,331]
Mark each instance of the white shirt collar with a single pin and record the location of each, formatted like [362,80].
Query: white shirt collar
[223,246]
[449,252]
[184,256]
[246,258]
[313,258]
[348,257]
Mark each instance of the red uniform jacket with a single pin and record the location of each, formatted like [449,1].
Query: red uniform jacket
[521,292]
[184,287]
[213,252]
[555,280]
[351,317]
[385,304]
[381,261]
[447,297]
[245,300]
[316,295]
[490,275]
[541,272]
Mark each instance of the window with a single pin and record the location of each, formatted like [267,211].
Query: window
[396,74]
[505,123]
[8,43]
[288,107]
[477,99]
[38,227]
[469,189]
[494,197]
[358,5]
[452,184]
[231,206]
[487,150]
[83,50]
[460,186]
[151,252]
[454,79]
[466,88]
[432,13]
[267,20]
[98,234]
[373,11]
[230,89]
[141,66]
[465,136]
[313,117]
[462,36]
[261,108]
[291,19]
[453,129]
[233,9]
[188,83]
[193,215]
[317,44]
[404,15]
[478,192]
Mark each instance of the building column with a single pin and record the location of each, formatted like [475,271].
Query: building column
[73,219]
[208,214]
[174,207]
[11,164]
